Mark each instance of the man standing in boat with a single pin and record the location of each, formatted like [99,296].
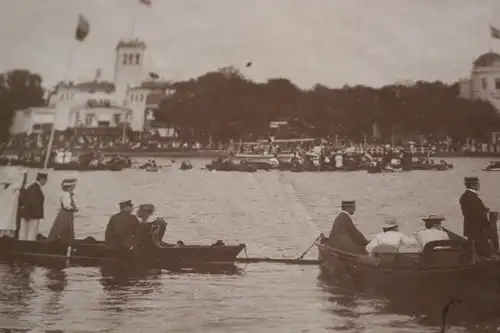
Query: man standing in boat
[344,234]
[476,223]
[32,208]
[122,228]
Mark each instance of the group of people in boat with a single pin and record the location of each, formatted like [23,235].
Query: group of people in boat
[478,227]
[123,230]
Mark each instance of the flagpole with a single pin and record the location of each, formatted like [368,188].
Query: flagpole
[71,54]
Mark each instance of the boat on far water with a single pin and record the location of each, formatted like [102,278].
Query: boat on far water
[493,166]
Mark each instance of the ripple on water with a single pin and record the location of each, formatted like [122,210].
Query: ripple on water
[275,213]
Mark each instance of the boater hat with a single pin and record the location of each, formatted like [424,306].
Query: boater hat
[126,203]
[471,180]
[433,219]
[147,208]
[390,224]
[68,182]
[42,175]
[348,203]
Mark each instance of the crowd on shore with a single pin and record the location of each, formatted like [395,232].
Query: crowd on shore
[117,144]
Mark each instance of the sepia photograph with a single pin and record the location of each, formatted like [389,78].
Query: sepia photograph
[230,166]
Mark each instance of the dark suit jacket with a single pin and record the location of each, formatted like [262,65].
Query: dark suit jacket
[121,230]
[345,236]
[476,222]
[32,202]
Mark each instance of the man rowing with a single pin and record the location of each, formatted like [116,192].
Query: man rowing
[344,234]
[122,228]
[390,240]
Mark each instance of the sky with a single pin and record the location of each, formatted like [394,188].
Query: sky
[332,42]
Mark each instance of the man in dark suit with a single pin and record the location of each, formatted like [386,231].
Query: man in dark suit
[344,234]
[122,228]
[32,208]
[476,223]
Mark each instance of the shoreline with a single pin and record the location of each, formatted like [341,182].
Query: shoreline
[216,153]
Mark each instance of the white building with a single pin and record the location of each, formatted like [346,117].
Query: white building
[484,80]
[99,103]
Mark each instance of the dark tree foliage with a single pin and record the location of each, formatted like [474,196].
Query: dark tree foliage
[19,89]
[227,105]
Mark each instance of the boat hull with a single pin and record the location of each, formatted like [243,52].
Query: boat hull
[89,252]
[395,273]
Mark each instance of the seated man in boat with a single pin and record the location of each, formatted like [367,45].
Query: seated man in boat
[433,231]
[390,240]
[147,218]
[344,234]
[122,228]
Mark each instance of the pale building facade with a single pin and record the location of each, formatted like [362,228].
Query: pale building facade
[484,80]
[96,103]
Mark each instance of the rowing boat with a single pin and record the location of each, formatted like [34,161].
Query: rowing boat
[446,265]
[90,252]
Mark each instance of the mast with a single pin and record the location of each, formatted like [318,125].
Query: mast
[19,205]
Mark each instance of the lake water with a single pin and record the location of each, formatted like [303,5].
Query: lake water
[277,214]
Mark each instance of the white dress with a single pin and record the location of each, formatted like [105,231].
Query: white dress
[9,199]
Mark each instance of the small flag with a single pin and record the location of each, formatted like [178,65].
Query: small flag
[154,76]
[495,33]
[82,28]
[148,3]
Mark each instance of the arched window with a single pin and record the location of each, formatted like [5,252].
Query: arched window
[141,97]
[131,58]
[137,58]
[125,57]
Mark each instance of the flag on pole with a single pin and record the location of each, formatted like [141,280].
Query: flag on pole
[495,32]
[153,76]
[82,28]
[147,3]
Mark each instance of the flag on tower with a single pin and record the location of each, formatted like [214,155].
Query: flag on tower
[495,32]
[82,28]
[148,3]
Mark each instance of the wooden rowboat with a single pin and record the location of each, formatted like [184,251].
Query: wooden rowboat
[448,266]
[90,252]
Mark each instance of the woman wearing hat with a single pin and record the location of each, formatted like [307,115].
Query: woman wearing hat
[433,231]
[63,228]
[147,217]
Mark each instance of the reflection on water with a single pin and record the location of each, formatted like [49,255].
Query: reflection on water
[276,215]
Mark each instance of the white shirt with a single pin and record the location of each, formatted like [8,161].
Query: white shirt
[66,200]
[391,238]
[429,235]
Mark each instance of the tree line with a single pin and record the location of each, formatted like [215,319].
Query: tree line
[225,105]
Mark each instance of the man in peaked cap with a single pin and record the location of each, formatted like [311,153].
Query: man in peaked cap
[122,228]
[476,223]
[32,208]
[344,234]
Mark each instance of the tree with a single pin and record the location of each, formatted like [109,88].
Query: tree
[19,89]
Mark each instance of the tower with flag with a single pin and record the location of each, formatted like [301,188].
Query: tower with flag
[109,100]
[483,82]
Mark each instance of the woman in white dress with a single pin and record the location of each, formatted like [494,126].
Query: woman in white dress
[63,228]
[10,185]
